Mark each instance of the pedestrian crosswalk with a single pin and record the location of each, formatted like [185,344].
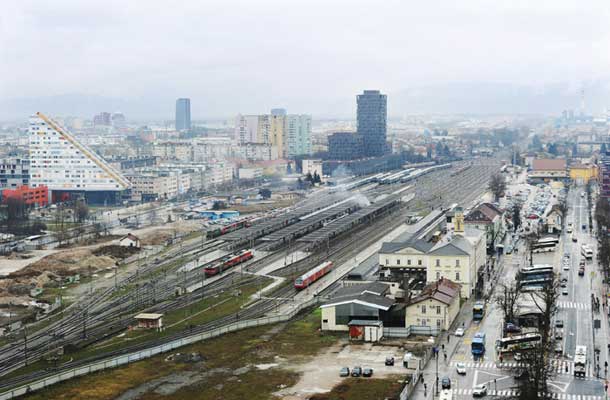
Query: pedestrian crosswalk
[563,367]
[572,304]
[511,393]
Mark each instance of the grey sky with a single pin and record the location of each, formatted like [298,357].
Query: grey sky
[247,56]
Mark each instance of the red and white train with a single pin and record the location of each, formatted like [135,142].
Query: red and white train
[313,275]
[228,261]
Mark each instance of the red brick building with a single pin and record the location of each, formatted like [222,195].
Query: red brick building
[30,196]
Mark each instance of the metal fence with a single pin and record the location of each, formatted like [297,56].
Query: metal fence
[150,352]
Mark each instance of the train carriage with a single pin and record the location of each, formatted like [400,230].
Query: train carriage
[228,261]
[313,275]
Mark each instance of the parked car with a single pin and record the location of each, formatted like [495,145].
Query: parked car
[446,383]
[459,332]
[461,368]
[389,360]
[558,334]
[356,371]
[367,372]
[564,291]
[574,238]
[558,323]
[344,372]
[479,391]
[558,349]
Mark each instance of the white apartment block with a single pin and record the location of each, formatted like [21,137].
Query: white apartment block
[14,172]
[297,135]
[151,185]
[213,148]
[256,152]
[179,151]
[66,165]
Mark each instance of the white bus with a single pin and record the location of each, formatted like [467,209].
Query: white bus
[586,251]
[580,361]
[545,244]
[517,343]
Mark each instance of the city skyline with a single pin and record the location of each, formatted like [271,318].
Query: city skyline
[508,46]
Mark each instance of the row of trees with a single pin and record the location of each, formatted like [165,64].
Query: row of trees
[602,218]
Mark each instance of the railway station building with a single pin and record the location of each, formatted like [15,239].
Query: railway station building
[458,254]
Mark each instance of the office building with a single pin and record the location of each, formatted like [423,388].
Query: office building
[102,119]
[68,167]
[345,146]
[118,120]
[183,114]
[29,196]
[372,122]
[14,172]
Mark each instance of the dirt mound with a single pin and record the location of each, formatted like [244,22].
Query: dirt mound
[66,263]
[116,251]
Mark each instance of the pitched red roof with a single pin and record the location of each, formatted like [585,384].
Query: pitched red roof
[444,291]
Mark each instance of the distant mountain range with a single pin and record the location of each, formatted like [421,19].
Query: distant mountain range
[446,98]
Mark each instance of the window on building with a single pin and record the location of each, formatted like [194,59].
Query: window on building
[438,262]
[423,308]
[457,263]
[398,261]
[419,262]
[409,261]
[457,276]
[438,310]
[387,261]
[438,323]
[438,275]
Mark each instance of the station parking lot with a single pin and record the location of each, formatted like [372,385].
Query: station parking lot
[321,373]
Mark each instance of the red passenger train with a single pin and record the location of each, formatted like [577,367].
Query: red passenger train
[228,261]
[313,275]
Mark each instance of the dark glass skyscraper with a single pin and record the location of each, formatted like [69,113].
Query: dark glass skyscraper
[183,114]
[372,120]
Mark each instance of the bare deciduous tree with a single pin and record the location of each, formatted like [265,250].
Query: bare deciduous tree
[497,185]
[506,299]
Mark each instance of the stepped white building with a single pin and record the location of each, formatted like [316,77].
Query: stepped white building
[68,167]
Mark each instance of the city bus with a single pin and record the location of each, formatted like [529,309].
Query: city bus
[586,251]
[580,361]
[509,345]
[478,344]
[478,311]
[545,244]
[538,274]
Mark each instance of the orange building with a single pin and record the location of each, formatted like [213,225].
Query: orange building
[30,196]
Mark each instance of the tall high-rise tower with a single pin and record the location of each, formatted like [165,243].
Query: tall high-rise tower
[183,114]
[372,122]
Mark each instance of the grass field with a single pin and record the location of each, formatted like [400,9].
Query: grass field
[224,355]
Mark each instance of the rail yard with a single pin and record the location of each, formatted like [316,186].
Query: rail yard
[327,228]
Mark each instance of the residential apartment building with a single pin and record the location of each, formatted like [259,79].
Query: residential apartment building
[583,173]
[153,185]
[38,196]
[436,306]
[289,133]
[181,151]
[68,167]
[14,172]
[209,149]
[256,152]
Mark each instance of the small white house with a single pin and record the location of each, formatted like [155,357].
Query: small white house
[130,240]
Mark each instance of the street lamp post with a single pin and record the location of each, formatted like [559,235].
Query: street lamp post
[436,355]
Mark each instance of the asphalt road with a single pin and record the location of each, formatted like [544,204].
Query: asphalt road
[574,309]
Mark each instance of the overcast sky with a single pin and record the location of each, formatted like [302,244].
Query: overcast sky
[247,56]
